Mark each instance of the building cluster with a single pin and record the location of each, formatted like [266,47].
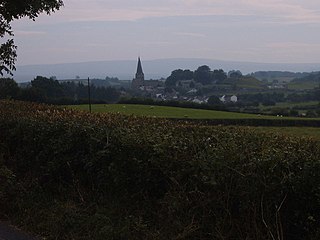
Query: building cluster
[156,89]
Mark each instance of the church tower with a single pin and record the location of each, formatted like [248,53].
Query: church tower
[138,81]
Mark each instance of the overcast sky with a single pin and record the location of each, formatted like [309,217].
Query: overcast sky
[286,31]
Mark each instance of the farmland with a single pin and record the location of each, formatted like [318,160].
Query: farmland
[170,112]
[187,113]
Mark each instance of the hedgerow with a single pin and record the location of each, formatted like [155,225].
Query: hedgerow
[68,174]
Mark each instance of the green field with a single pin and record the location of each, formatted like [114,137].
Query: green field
[175,112]
[291,105]
[305,85]
[170,112]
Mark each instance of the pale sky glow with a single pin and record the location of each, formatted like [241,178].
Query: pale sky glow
[239,30]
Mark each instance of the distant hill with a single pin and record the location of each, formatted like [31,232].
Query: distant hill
[310,81]
[153,69]
[314,76]
[281,76]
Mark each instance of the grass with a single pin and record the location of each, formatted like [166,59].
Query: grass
[297,104]
[291,105]
[305,85]
[174,112]
[170,112]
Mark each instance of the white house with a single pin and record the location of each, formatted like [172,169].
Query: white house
[232,98]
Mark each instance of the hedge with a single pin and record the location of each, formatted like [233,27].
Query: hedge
[73,175]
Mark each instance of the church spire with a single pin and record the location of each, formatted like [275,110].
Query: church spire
[139,67]
[138,81]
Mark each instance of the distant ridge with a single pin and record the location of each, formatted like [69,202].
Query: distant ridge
[153,69]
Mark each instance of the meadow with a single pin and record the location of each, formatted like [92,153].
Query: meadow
[170,112]
[187,113]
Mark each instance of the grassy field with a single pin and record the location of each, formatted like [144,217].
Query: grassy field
[305,85]
[175,112]
[170,112]
[292,104]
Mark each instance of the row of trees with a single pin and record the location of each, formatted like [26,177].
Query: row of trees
[48,90]
[203,75]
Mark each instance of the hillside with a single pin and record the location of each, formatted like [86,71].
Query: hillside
[280,76]
[310,81]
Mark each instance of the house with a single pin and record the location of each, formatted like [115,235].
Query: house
[229,98]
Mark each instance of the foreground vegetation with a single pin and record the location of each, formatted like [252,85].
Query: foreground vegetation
[68,174]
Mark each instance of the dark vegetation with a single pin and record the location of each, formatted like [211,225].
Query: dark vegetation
[48,90]
[272,75]
[314,76]
[74,175]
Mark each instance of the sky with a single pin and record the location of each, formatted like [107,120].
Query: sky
[273,31]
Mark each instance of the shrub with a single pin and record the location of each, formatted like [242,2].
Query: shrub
[75,175]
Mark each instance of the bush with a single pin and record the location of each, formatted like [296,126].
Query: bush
[75,175]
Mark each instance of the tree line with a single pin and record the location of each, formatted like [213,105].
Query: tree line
[202,74]
[49,90]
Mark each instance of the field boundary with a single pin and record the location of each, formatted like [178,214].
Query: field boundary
[252,122]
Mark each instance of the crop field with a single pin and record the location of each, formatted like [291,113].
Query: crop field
[170,112]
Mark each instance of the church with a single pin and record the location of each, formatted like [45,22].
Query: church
[138,81]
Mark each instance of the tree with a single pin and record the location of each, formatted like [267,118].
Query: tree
[203,75]
[48,87]
[8,88]
[214,100]
[219,75]
[178,75]
[16,9]
[236,74]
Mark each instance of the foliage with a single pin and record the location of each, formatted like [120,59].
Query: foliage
[75,175]
[48,87]
[214,100]
[314,76]
[16,9]
[49,90]
[8,56]
[178,75]
[8,88]
[203,75]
